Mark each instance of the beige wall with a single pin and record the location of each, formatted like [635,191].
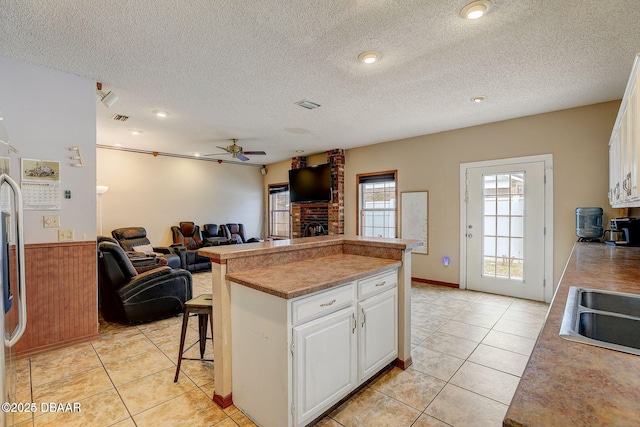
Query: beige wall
[158,192]
[577,138]
[46,112]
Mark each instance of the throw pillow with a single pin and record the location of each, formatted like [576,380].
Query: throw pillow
[145,249]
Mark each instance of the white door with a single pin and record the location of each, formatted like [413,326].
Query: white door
[324,363]
[505,229]
[378,336]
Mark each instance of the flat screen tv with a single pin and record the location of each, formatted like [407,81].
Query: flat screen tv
[310,184]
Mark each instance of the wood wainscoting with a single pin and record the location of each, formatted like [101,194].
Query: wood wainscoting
[62,296]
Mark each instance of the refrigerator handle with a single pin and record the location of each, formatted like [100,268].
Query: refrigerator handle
[11,339]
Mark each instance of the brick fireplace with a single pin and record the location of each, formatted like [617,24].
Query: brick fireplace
[311,219]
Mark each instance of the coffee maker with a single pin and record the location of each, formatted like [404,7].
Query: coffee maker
[624,232]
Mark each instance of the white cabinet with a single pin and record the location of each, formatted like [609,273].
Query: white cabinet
[378,335]
[294,359]
[324,363]
[624,147]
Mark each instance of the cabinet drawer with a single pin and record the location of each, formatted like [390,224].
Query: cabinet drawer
[378,283]
[326,302]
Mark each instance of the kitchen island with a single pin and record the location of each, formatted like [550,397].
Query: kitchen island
[314,264]
[567,383]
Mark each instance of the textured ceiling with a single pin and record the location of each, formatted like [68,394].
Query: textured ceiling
[235,69]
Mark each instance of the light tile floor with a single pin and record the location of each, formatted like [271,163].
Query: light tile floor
[469,350]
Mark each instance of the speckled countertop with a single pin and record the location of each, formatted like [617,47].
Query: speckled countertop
[572,384]
[274,246]
[304,277]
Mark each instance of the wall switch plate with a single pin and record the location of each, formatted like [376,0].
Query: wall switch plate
[65,235]
[51,221]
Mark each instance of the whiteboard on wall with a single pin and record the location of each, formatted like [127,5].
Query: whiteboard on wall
[414,214]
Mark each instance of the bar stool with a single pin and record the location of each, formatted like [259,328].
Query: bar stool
[202,306]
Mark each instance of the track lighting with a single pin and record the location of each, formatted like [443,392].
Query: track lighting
[108,99]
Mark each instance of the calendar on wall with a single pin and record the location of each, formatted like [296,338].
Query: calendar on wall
[41,195]
[40,184]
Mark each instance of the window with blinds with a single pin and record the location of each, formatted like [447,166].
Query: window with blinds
[279,214]
[377,207]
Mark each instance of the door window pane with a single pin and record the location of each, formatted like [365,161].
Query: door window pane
[503,225]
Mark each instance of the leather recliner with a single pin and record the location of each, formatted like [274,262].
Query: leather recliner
[127,296]
[237,233]
[131,238]
[140,261]
[216,235]
[187,240]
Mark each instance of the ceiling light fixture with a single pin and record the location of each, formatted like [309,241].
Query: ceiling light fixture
[369,57]
[108,99]
[160,113]
[478,99]
[136,131]
[476,9]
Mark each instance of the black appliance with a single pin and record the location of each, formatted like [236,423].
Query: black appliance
[624,232]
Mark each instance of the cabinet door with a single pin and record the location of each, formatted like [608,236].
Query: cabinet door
[324,363]
[378,336]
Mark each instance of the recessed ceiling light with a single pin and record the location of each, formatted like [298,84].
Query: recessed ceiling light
[196,154]
[118,145]
[136,131]
[299,151]
[369,57]
[476,9]
[160,113]
[478,99]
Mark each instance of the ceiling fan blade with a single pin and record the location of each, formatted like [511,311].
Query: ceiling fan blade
[255,153]
[242,157]
[223,148]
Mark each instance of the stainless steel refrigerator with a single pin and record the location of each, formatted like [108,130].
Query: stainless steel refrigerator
[12,288]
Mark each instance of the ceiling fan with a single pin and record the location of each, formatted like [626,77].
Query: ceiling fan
[237,152]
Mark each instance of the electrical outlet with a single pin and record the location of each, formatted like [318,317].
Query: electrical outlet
[51,221]
[65,235]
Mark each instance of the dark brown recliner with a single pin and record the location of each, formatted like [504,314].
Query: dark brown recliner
[131,238]
[216,235]
[126,296]
[187,240]
[236,232]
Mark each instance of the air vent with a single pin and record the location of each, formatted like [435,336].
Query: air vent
[119,118]
[308,104]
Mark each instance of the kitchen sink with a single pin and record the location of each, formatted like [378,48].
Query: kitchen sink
[628,304]
[602,318]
